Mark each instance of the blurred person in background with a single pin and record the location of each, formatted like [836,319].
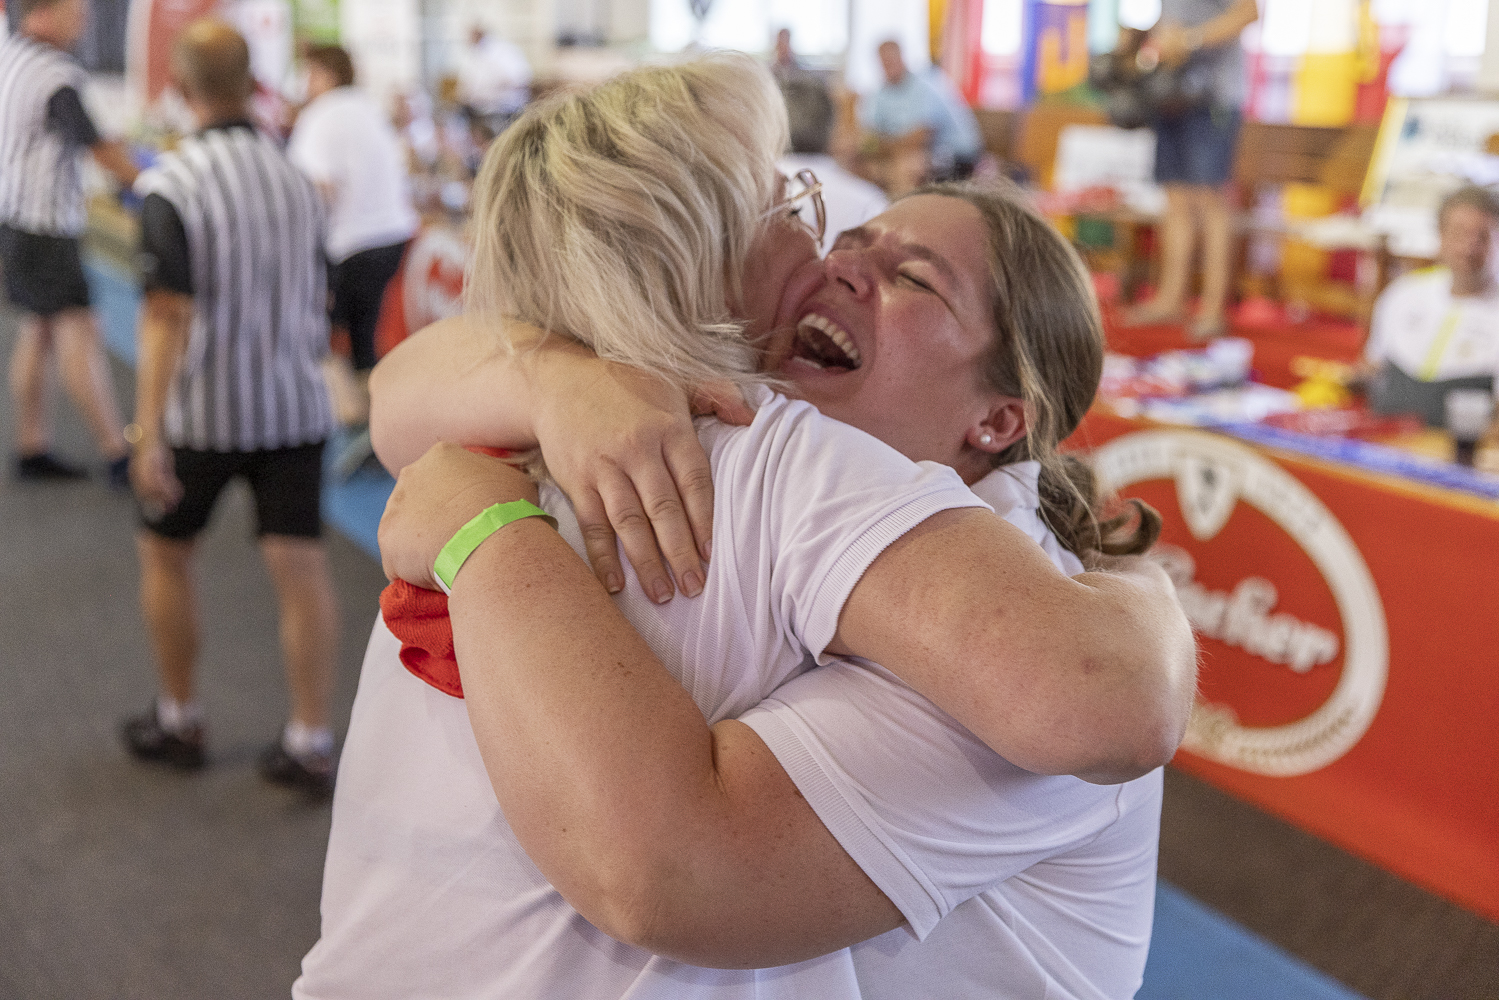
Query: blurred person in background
[233,328]
[1197,135]
[918,129]
[784,65]
[849,199]
[44,133]
[344,142]
[1437,328]
[494,78]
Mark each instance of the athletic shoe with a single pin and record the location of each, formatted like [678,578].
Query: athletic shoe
[119,473]
[45,466]
[147,740]
[311,772]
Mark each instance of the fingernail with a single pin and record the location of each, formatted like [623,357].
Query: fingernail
[613,583]
[708,550]
[692,583]
[661,591]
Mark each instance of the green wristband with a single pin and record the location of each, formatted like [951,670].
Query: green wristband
[472,535]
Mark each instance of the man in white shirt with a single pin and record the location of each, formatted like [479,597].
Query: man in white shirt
[1437,328]
[350,150]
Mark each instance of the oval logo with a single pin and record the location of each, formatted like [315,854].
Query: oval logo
[1282,706]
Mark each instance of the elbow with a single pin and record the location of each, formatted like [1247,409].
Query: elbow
[674,899]
[385,438]
[653,907]
[1160,705]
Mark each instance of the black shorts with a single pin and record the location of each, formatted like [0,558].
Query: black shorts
[357,287]
[43,274]
[287,484]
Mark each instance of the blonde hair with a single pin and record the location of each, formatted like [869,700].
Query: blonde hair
[1048,352]
[622,216]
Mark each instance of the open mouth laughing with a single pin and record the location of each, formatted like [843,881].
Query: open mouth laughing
[822,343]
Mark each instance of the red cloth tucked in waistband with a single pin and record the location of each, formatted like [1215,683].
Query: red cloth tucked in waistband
[419,618]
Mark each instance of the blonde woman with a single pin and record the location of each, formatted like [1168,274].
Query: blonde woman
[428,885]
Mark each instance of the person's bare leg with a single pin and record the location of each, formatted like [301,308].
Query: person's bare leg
[1178,239]
[309,622]
[1217,261]
[28,384]
[171,611]
[85,375]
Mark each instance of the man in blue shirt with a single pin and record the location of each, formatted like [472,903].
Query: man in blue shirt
[920,128]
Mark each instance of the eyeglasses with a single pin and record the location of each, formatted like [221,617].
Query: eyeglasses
[805,186]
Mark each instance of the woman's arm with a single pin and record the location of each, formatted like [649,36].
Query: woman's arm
[1092,675]
[454,381]
[619,443]
[665,834]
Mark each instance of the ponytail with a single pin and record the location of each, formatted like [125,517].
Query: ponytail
[1070,504]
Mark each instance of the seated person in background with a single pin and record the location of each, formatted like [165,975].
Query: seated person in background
[850,200]
[1437,328]
[919,128]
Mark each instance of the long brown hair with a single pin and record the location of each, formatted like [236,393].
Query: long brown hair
[1048,352]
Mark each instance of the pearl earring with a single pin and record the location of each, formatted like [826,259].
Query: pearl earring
[986,439]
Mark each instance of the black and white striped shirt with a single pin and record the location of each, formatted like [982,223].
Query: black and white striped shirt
[249,379]
[41,179]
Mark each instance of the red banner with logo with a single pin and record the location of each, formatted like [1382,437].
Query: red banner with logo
[427,288]
[1349,628]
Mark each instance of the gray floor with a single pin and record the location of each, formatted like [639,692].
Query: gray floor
[120,880]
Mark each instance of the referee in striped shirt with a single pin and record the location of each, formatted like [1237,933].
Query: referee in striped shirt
[44,134]
[229,384]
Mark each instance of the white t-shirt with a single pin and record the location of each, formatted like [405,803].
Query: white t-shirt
[343,141]
[1431,336]
[427,893]
[494,76]
[1012,884]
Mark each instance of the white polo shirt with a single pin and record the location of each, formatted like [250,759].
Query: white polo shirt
[1420,328]
[345,143]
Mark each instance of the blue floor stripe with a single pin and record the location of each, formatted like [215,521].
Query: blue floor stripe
[354,505]
[1196,953]
[116,302]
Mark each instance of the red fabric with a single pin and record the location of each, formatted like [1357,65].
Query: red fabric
[1274,346]
[419,618]
[1416,794]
